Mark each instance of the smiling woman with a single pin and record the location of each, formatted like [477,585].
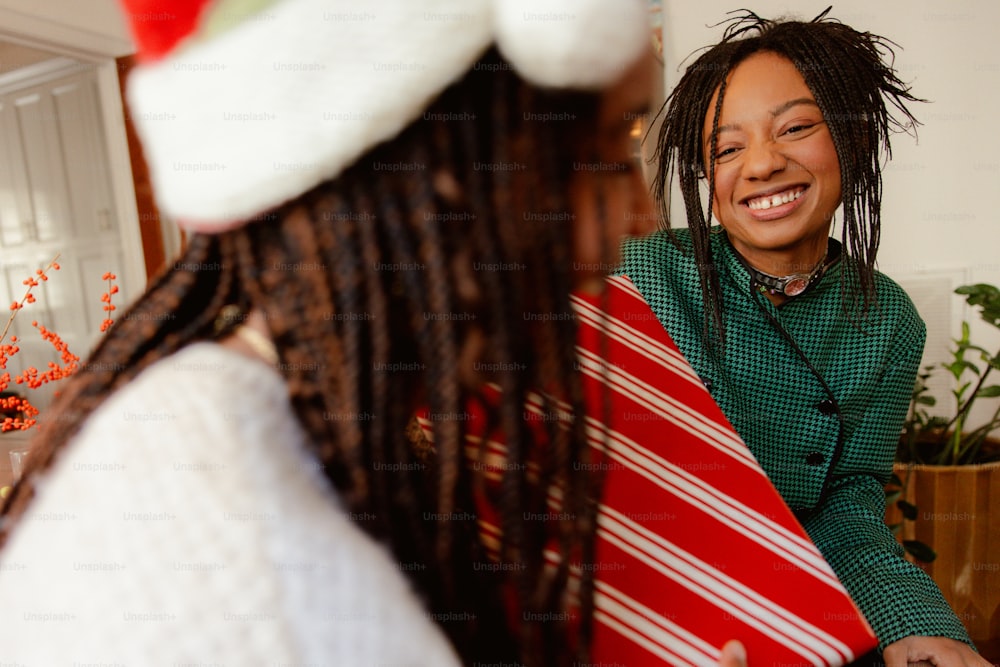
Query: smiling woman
[777,177]
[809,351]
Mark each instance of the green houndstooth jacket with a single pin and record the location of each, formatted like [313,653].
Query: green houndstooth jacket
[829,468]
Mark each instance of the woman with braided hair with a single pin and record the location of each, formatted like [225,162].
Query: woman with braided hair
[810,352]
[377,198]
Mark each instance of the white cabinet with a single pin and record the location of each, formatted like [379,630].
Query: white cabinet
[55,167]
[55,197]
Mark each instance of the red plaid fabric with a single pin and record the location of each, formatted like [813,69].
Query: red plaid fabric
[694,544]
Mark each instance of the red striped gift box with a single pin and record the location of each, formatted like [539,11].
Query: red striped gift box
[695,546]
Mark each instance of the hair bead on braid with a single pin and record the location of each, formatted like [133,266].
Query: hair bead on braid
[863,101]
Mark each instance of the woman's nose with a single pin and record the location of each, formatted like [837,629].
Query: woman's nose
[762,159]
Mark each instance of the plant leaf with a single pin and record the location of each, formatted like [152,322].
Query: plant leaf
[936,422]
[909,510]
[892,496]
[919,550]
[983,352]
[987,297]
[989,392]
[956,368]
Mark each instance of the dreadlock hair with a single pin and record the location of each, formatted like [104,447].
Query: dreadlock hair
[851,75]
[388,266]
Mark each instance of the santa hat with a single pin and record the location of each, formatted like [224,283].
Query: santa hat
[244,104]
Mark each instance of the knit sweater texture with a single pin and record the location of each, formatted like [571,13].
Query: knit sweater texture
[187,525]
[829,449]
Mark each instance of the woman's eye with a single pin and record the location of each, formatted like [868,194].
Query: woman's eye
[801,127]
[724,153]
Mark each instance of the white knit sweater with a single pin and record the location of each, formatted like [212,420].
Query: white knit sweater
[186,525]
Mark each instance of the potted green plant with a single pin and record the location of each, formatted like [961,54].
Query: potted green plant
[944,498]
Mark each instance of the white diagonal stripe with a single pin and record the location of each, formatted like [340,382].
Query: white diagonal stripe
[671,410]
[738,516]
[650,630]
[713,585]
[634,339]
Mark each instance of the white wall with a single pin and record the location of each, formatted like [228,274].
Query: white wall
[939,218]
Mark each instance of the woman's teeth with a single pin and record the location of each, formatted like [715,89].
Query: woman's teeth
[770,201]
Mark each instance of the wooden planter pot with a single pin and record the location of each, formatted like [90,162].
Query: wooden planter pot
[959,517]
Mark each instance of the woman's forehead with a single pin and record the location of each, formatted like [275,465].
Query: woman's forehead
[760,87]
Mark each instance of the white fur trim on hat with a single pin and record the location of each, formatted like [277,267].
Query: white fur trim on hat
[248,119]
[571,43]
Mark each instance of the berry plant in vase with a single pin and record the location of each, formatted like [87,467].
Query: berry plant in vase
[17,412]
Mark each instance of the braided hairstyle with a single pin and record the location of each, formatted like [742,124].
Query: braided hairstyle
[392,265]
[851,75]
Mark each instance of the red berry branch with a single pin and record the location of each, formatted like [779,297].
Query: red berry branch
[31,377]
[106,299]
[21,407]
[28,297]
